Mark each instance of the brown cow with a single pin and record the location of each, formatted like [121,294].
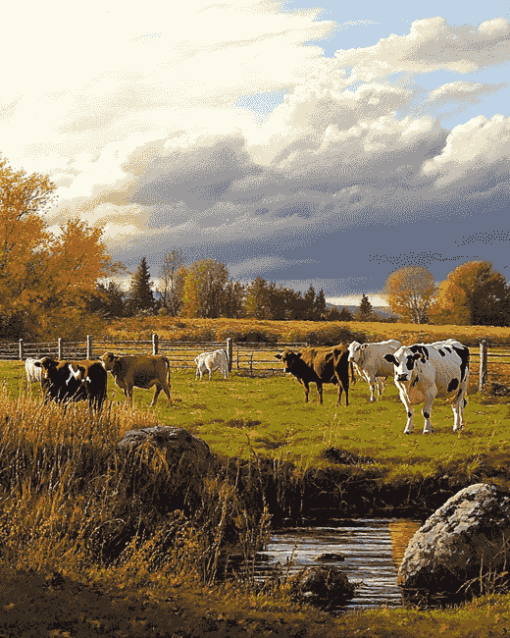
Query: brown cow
[320,366]
[64,381]
[139,371]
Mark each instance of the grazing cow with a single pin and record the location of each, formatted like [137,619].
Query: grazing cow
[65,381]
[210,361]
[33,372]
[368,359]
[320,366]
[139,371]
[424,370]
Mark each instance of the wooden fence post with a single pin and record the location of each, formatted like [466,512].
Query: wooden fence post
[229,353]
[251,364]
[483,365]
[21,357]
[155,343]
[89,347]
[59,348]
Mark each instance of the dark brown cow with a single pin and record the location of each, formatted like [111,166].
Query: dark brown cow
[139,371]
[65,381]
[319,366]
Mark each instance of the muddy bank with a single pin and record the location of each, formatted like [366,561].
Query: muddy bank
[352,488]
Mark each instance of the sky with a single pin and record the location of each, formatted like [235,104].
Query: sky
[325,144]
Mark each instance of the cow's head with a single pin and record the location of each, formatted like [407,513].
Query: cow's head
[289,359]
[108,360]
[48,368]
[404,362]
[354,351]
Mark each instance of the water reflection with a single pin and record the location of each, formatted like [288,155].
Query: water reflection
[372,550]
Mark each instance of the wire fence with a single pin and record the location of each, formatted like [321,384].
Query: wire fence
[250,359]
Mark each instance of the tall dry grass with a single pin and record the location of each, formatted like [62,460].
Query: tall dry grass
[72,503]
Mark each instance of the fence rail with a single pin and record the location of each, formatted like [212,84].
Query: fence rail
[251,358]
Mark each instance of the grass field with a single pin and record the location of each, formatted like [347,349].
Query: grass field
[269,416]
[65,494]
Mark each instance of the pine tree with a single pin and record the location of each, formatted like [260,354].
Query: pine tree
[321,309]
[140,292]
[365,310]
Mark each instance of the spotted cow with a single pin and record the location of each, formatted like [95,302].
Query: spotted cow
[65,381]
[319,366]
[422,371]
[369,362]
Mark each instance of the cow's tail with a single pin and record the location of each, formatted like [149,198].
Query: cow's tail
[167,361]
[353,376]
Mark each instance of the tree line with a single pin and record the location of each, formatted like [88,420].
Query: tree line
[62,281]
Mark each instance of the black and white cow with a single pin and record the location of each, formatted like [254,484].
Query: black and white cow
[369,362]
[422,371]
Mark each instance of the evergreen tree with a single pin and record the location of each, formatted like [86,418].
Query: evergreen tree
[365,311]
[140,291]
[321,309]
[346,315]
[309,304]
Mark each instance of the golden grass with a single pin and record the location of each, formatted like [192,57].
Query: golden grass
[175,328]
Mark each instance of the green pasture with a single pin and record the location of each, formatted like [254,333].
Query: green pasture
[268,416]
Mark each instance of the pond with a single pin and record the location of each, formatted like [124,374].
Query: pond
[372,551]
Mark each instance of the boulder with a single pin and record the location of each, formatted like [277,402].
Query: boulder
[466,535]
[321,586]
[180,447]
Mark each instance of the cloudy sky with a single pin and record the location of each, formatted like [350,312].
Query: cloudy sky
[326,145]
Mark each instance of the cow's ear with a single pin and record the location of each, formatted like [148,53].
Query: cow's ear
[298,354]
[278,356]
[390,358]
[37,364]
[418,355]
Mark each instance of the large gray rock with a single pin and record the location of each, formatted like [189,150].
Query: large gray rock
[468,532]
[180,447]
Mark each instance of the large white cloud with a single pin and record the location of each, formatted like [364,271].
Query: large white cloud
[134,116]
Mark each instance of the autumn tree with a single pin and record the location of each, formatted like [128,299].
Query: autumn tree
[203,289]
[472,294]
[141,297]
[257,303]
[409,292]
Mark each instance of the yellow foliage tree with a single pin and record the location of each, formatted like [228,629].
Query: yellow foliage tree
[46,278]
[472,294]
[409,292]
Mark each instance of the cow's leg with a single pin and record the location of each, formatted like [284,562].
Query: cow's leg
[430,395]
[157,390]
[166,390]
[381,385]
[371,382]
[458,410]
[319,392]
[409,409]
[306,387]
[209,370]
[341,388]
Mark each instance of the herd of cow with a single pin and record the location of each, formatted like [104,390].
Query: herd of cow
[421,372]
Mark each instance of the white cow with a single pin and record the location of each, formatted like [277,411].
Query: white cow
[32,371]
[424,370]
[370,364]
[210,361]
